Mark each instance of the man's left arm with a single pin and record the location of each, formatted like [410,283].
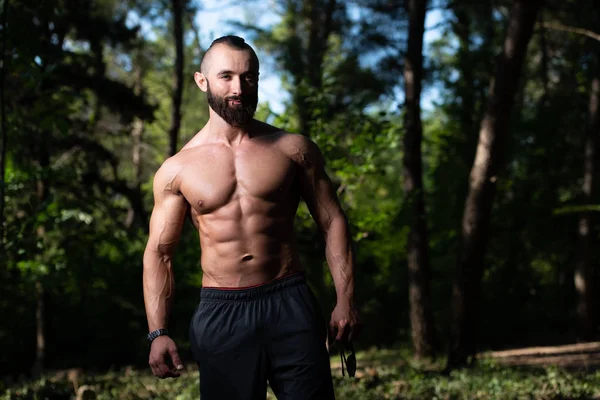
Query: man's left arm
[323,204]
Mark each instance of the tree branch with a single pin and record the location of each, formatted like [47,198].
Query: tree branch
[571,29]
[197,42]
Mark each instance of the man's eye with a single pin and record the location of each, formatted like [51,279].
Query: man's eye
[225,76]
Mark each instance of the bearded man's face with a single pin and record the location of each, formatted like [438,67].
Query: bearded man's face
[235,110]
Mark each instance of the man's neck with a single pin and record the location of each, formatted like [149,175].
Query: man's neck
[221,130]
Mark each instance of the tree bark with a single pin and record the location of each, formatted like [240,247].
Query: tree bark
[318,15]
[462,29]
[482,183]
[177,6]
[583,270]
[544,62]
[42,192]
[4,139]
[40,342]
[136,137]
[421,315]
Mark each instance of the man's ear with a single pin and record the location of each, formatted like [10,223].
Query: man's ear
[201,81]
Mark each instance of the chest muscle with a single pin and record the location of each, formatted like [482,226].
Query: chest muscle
[217,179]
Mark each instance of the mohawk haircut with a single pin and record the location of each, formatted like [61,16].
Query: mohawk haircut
[232,41]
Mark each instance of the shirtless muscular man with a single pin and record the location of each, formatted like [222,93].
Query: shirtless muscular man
[241,181]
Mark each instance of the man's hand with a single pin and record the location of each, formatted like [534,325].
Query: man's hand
[164,359]
[344,324]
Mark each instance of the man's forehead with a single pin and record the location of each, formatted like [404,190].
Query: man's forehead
[222,57]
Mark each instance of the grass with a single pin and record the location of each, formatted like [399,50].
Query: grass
[383,374]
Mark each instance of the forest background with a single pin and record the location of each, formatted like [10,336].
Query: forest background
[468,166]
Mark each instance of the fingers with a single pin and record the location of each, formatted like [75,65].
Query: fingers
[161,370]
[332,331]
[165,362]
[166,372]
[176,359]
[342,331]
[354,330]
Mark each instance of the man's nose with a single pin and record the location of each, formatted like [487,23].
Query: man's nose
[236,86]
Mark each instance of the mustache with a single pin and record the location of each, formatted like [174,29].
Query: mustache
[237,98]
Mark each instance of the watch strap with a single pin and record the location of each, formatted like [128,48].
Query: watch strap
[156,333]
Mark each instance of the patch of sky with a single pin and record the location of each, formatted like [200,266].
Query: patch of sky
[216,18]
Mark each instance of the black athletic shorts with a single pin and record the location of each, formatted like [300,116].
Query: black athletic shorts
[241,338]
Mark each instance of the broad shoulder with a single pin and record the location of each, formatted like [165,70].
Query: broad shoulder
[203,156]
[301,149]
[167,175]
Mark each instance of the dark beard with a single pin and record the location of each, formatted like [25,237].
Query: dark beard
[235,115]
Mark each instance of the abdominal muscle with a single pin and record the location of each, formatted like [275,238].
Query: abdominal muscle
[250,248]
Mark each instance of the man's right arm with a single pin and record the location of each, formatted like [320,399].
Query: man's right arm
[166,223]
[165,229]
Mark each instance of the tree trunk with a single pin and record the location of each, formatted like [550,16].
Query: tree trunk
[136,137]
[583,270]
[42,193]
[4,139]
[470,107]
[466,92]
[178,75]
[543,61]
[482,183]
[421,315]
[308,75]
[40,343]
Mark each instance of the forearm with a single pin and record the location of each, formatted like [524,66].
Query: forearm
[340,258]
[159,285]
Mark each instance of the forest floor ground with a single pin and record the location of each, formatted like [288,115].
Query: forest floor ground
[572,356]
[556,372]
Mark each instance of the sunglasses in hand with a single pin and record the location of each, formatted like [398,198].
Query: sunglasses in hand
[350,361]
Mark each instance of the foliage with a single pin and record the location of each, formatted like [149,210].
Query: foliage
[382,374]
[83,74]
[70,181]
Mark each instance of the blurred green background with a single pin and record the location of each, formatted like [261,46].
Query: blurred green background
[90,109]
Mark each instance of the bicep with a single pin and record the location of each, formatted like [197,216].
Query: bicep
[166,221]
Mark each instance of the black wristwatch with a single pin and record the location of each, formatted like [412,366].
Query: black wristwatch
[154,334]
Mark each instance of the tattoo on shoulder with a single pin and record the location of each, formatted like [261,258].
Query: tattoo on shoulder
[307,158]
[304,153]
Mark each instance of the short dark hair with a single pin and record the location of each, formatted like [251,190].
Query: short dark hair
[232,41]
